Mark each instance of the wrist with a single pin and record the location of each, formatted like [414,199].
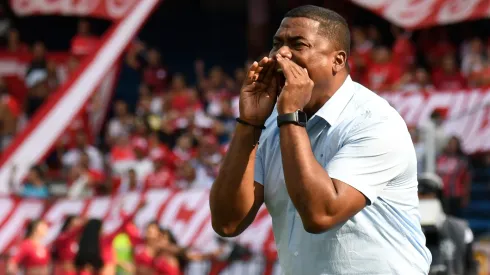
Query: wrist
[287,109]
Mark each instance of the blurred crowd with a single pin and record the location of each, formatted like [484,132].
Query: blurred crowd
[164,131]
[83,246]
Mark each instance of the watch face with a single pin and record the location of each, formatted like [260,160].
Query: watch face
[302,117]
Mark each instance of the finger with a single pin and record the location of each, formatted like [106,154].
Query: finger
[263,61]
[251,72]
[267,72]
[285,66]
[270,73]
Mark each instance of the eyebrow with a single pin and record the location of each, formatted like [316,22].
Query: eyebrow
[296,37]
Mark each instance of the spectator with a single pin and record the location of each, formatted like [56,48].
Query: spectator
[374,35]
[435,52]
[120,124]
[38,57]
[155,74]
[473,58]
[35,185]
[72,157]
[84,180]
[453,168]
[142,166]
[184,150]
[122,156]
[209,155]
[448,78]
[382,74]
[415,81]
[361,48]
[52,75]
[181,98]
[130,183]
[403,48]
[163,176]
[14,45]
[188,177]
[10,111]
[36,82]
[84,42]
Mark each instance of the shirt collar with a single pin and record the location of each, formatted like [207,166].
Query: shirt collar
[331,110]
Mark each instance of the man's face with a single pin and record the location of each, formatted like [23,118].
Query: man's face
[299,39]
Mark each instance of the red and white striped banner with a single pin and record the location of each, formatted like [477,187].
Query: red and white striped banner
[185,212]
[52,119]
[107,9]
[415,14]
[468,114]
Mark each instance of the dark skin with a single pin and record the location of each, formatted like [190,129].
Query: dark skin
[314,69]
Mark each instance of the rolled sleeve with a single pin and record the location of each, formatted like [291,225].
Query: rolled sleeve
[370,160]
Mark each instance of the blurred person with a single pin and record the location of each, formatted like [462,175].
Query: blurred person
[479,77]
[31,255]
[34,185]
[142,166]
[120,124]
[453,167]
[84,43]
[155,74]
[52,78]
[122,156]
[209,155]
[436,51]
[449,238]
[65,246]
[187,176]
[72,65]
[38,57]
[239,76]
[184,148]
[472,60]
[448,77]
[335,185]
[72,157]
[84,179]
[403,48]
[163,175]
[96,255]
[217,80]
[415,81]
[14,44]
[373,34]
[361,46]
[382,74]
[180,97]
[10,111]
[38,90]
[130,183]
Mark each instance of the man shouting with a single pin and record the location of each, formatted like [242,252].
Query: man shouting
[333,162]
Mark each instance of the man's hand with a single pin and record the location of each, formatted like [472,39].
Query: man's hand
[297,88]
[259,92]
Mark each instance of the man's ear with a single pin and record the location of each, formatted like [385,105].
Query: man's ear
[339,61]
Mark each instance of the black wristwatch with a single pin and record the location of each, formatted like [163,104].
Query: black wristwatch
[297,118]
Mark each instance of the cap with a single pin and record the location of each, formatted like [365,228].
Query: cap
[429,183]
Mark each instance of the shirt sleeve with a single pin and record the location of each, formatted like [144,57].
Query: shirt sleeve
[259,166]
[20,254]
[372,157]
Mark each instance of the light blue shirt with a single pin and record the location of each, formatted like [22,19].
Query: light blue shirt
[362,141]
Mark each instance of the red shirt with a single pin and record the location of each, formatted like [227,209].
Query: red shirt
[12,105]
[83,45]
[403,52]
[445,82]
[454,173]
[122,153]
[380,77]
[156,77]
[163,267]
[163,178]
[30,254]
[67,244]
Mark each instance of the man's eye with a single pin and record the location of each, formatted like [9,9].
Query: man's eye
[275,44]
[299,46]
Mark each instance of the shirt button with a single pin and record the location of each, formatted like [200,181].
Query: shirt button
[296,253]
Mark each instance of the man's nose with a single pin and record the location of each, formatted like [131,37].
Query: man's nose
[284,51]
